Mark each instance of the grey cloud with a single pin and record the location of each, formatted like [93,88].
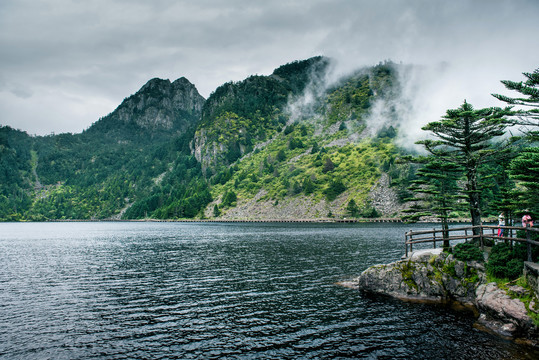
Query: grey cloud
[79,59]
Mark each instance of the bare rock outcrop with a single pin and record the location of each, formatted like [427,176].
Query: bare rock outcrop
[384,198]
[429,277]
[160,106]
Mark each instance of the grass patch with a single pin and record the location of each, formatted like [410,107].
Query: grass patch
[407,271]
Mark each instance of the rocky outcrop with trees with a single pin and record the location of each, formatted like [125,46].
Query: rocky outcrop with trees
[439,277]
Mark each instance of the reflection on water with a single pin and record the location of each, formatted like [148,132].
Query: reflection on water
[186,291]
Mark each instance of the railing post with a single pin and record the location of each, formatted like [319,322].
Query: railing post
[434,233]
[466,236]
[528,238]
[481,237]
[411,245]
[406,243]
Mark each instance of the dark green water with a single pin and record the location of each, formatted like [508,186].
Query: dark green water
[211,291]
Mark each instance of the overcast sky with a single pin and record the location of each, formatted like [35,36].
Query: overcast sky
[66,63]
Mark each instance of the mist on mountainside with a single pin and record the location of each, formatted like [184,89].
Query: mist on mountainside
[310,140]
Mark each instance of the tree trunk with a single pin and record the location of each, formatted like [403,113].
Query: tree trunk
[475,200]
[445,234]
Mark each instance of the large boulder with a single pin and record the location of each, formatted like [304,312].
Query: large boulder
[430,276]
[503,314]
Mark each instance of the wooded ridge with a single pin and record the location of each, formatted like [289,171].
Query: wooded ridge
[290,145]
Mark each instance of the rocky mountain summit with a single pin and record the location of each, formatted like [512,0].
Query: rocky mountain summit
[159,105]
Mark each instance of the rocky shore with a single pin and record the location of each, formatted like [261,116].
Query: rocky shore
[431,275]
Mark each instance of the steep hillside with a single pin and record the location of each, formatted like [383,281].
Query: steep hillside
[328,160]
[158,107]
[239,115]
[117,166]
[15,173]
[285,145]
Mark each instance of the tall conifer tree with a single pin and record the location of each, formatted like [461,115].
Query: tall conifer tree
[524,168]
[529,90]
[464,137]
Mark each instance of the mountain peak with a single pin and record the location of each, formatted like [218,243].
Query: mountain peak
[154,83]
[159,105]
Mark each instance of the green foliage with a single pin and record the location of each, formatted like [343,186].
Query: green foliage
[525,169]
[121,166]
[296,172]
[308,186]
[407,271]
[298,74]
[15,173]
[295,143]
[229,199]
[504,262]
[468,252]
[464,137]
[334,189]
[436,192]
[520,250]
[352,209]
[352,99]
[328,165]
[369,211]
[239,114]
[94,175]
[528,96]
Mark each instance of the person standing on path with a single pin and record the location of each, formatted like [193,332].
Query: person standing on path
[527,219]
[501,222]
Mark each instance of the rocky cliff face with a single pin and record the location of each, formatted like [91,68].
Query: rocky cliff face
[162,105]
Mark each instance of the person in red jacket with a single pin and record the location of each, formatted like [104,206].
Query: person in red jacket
[527,219]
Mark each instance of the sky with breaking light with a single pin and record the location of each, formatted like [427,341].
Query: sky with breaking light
[66,63]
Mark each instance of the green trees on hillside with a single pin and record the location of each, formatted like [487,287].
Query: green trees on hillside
[238,115]
[119,167]
[299,74]
[525,170]
[15,173]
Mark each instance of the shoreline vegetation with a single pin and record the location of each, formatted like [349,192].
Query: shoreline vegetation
[318,220]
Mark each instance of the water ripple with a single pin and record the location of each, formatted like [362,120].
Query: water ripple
[213,291]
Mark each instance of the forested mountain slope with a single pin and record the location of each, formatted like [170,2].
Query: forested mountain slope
[291,144]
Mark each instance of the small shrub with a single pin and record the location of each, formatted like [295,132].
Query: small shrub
[334,189]
[520,251]
[229,199]
[503,262]
[514,268]
[449,268]
[467,252]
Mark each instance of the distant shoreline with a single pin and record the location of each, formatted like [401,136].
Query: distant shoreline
[322,220]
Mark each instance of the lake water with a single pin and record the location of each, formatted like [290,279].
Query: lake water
[217,290]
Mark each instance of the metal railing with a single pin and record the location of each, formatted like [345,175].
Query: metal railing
[467,233]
